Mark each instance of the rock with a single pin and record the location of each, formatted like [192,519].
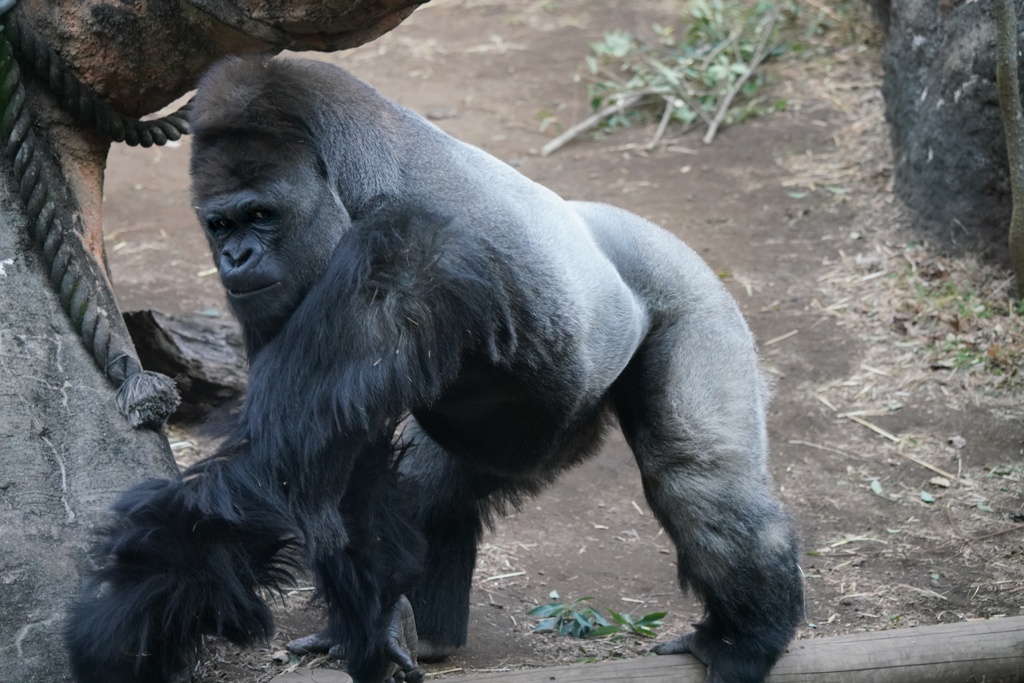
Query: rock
[140,56]
[947,135]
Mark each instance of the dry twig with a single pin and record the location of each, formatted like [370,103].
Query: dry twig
[591,121]
[760,54]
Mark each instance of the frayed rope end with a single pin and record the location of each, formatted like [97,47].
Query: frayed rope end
[147,399]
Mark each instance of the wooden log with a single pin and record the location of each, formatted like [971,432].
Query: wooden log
[989,651]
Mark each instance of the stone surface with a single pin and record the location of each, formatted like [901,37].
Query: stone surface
[65,453]
[142,55]
[947,135]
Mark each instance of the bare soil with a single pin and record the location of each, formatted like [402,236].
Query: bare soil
[903,473]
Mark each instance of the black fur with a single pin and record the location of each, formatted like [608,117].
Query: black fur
[360,581]
[385,273]
[188,557]
[173,573]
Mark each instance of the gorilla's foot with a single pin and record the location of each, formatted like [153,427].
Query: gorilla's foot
[727,662]
[316,644]
[681,645]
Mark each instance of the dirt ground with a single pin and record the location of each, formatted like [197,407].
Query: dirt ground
[903,472]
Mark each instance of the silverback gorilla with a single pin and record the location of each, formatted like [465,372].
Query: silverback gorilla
[391,279]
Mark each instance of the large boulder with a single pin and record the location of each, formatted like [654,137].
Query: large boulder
[65,452]
[142,55]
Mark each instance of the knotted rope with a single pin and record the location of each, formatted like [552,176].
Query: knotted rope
[45,64]
[144,398]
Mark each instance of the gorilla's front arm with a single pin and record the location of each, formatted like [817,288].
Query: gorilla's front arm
[383,331]
[403,300]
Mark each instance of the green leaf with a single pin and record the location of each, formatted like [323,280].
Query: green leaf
[617,618]
[670,75]
[652,619]
[548,610]
[684,114]
[699,9]
[602,631]
[927,497]
[546,625]
[715,73]
[876,487]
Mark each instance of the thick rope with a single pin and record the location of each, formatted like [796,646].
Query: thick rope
[82,103]
[144,398]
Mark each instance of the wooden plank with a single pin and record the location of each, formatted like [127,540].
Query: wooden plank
[991,651]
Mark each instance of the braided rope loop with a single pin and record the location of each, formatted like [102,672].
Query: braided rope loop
[144,398]
[82,103]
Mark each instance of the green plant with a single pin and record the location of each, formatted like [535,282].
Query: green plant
[569,619]
[645,626]
[707,74]
[583,621]
[965,326]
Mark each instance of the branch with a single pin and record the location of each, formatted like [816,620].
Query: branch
[666,115]
[759,56]
[621,103]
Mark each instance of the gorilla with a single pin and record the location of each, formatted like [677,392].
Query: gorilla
[432,338]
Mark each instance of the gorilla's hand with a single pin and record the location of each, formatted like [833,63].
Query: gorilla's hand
[401,644]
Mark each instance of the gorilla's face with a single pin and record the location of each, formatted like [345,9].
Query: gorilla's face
[272,221]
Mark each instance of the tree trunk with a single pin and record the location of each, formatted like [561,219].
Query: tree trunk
[1013,126]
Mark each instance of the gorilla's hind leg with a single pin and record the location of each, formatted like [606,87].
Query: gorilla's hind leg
[441,601]
[451,506]
[691,405]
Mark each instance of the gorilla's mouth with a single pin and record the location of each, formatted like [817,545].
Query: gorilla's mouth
[243,293]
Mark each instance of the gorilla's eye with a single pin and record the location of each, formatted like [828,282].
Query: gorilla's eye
[259,215]
[219,225]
